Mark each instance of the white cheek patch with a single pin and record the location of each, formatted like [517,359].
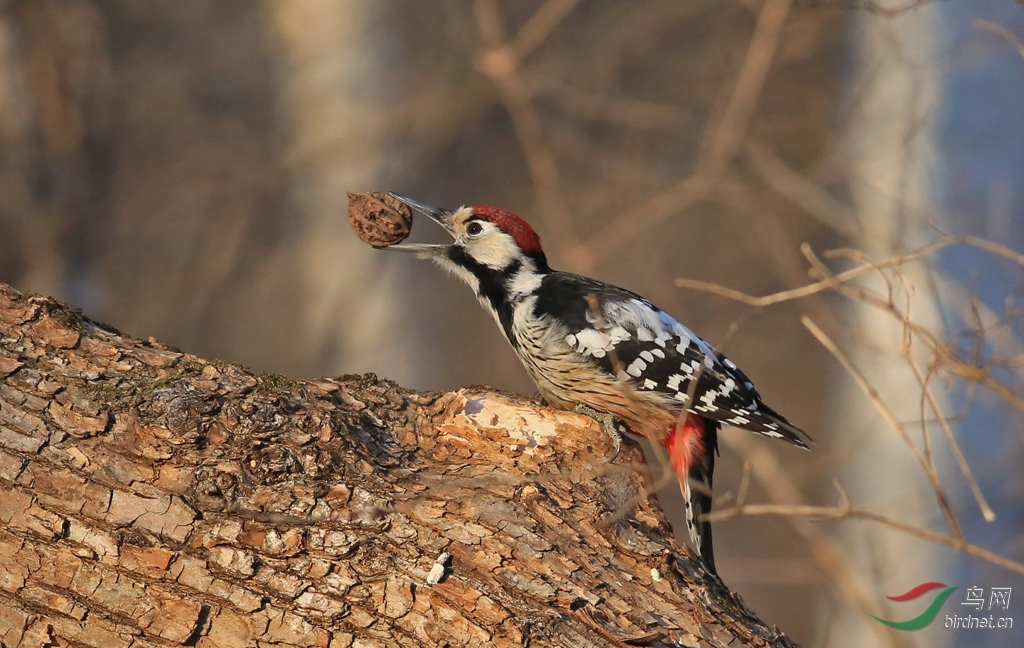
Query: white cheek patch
[496,250]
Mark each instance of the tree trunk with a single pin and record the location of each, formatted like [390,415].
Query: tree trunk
[153,498]
[895,187]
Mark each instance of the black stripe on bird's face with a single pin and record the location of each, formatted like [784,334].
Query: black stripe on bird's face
[490,284]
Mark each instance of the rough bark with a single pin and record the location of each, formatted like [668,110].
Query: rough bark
[149,497]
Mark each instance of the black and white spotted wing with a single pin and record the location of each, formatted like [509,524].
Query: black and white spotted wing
[629,338]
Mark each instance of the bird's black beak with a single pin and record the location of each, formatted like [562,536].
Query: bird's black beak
[440,216]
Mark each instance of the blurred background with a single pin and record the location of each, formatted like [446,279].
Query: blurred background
[179,170]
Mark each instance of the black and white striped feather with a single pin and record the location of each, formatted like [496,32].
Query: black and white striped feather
[627,337]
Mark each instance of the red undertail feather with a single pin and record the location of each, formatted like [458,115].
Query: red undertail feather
[691,448]
[685,444]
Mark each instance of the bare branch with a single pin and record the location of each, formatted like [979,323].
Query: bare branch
[845,512]
[833,280]
[539,27]
[1001,32]
[800,190]
[500,61]
[890,418]
[954,446]
[723,143]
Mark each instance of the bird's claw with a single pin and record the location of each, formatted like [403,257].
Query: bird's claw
[608,423]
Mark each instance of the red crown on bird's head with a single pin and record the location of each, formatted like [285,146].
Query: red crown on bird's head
[507,222]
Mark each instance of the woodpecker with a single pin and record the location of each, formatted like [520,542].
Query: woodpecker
[605,351]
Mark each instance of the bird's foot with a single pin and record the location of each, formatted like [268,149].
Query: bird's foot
[612,426]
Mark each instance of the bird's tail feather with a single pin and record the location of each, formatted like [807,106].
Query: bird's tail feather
[691,448]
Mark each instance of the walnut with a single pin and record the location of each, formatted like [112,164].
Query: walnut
[379,219]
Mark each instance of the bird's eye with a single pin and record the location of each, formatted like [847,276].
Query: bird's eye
[474,228]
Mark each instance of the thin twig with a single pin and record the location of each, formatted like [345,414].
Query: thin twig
[779,485]
[974,373]
[843,512]
[724,143]
[971,372]
[539,27]
[801,190]
[883,9]
[500,62]
[954,446]
[890,418]
[1001,32]
[849,275]
[741,494]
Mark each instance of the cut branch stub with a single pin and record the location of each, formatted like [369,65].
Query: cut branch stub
[153,498]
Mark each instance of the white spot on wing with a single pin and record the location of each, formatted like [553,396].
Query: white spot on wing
[616,335]
[592,342]
[684,333]
[636,368]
